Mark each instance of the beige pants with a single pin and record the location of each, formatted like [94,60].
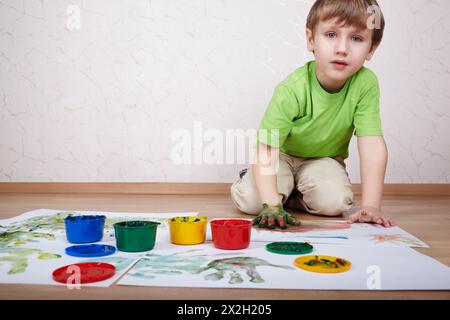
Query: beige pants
[319,186]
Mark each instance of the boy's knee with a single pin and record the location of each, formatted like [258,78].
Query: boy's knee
[330,208]
[330,211]
[246,200]
[329,199]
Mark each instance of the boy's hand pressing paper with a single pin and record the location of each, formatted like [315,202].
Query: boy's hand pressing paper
[274,216]
[370,215]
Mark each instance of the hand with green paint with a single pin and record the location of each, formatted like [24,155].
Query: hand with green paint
[274,216]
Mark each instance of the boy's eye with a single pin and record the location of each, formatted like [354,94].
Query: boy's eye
[331,35]
[357,38]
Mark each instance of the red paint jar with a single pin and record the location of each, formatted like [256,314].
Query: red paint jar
[231,234]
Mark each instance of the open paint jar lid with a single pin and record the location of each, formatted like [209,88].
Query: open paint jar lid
[323,264]
[89,272]
[289,247]
[90,250]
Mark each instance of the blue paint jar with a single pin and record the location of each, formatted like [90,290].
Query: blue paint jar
[84,229]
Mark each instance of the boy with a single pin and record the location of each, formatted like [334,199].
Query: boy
[311,119]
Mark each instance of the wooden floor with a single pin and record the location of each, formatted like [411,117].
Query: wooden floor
[427,217]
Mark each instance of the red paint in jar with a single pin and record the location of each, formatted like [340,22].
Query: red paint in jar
[231,234]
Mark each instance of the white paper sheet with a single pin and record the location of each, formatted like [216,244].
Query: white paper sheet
[373,268]
[383,266]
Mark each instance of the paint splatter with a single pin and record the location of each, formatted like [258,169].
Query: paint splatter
[18,258]
[233,266]
[393,238]
[178,264]
[16,238]
[312,225]
[53,222]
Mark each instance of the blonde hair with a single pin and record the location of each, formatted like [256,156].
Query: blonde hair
[352,12]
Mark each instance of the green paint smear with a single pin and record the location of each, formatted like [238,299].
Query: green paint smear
[53,222]
[18,258]
[177,264]
[48,256]
[17,238]
[232,267]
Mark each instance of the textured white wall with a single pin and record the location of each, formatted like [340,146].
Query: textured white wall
[99,100]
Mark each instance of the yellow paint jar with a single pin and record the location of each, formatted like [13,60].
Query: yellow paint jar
[188,230]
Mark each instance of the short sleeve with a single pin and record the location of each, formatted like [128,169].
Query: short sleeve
[366,120]
[279,117]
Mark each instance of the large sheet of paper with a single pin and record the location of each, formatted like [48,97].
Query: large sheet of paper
[338,232]
[373,268]
[33,244]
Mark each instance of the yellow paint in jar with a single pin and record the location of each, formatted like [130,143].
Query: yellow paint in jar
[188,230]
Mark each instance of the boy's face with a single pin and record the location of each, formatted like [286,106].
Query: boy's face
[339,51]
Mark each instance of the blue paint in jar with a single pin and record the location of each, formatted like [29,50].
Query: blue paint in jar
[84,229]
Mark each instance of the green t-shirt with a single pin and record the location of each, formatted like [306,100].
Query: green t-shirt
[314,123]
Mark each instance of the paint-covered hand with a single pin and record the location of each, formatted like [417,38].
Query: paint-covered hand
[274,217]
[371,215]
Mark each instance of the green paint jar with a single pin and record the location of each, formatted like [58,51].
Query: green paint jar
[135,236]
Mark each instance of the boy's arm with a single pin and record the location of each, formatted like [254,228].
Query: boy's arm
[373,161]
[265,175]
